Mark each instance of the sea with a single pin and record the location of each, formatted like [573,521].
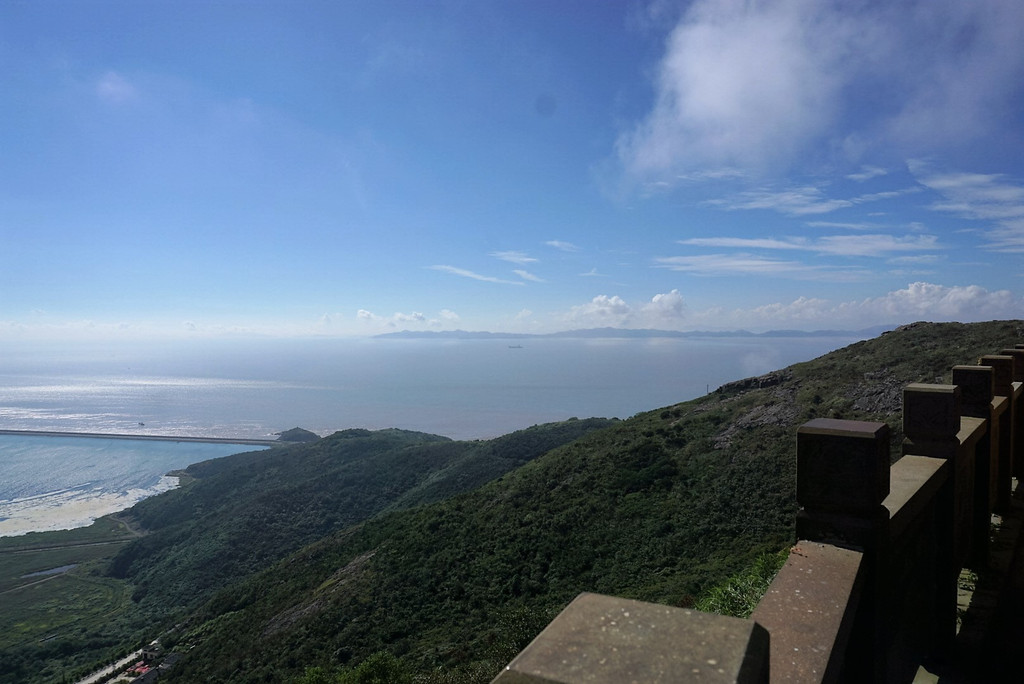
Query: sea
[255,388]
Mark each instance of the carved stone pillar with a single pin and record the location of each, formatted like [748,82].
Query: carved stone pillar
[931,423]
[1018,410]
[1002,386]
[976,394]
[842,480]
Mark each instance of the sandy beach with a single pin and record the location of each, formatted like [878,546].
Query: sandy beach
[65,510]
[86,479]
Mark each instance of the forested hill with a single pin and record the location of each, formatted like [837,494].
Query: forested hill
[238,514]
[657,507]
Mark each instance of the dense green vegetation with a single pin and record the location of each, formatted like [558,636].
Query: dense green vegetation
[297,434]
[430,560]
[739,595]
[245,511]
[231,517]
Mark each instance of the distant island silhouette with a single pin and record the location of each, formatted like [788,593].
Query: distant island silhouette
[625,333]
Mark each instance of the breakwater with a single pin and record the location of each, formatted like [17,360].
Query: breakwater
[144,437]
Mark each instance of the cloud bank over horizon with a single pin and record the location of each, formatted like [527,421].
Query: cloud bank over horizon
[918,301]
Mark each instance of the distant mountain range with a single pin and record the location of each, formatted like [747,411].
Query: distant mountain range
[627,333]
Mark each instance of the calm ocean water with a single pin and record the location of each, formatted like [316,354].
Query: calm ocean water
[464,389]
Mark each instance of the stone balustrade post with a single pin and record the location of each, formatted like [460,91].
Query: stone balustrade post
[842,480]
[976,395]
[1018,410]
[931,423]
[1002,388]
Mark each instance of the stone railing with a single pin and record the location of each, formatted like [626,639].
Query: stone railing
[869,591]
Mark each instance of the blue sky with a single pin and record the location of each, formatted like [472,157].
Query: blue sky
[298,168]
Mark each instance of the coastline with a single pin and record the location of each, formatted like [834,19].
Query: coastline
[78,502]
[154,438]
[71,510]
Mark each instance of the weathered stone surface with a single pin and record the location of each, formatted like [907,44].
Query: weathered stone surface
[914,485]
[605,640]
[1002,367]
[976,385]
[931,411]
[842,465]
[809,611]
[1018,362]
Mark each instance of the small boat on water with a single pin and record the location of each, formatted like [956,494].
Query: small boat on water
[515,346]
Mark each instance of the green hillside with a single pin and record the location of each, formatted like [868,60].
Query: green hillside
[245,511]
[231,517]
[658,507]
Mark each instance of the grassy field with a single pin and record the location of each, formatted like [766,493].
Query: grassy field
[48,585]
[106,529]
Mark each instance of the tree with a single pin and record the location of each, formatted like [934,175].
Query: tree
[379,668]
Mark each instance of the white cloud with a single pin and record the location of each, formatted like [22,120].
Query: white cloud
[755,85]
[918,301]
[114,88]
[415,320]
[915,259]
[602,311]
[888,194]
[564,246]
[991,198]
[937,302]
[514,257]
[474,276]
[873,245]
[732,264]
[829,245]
[800,201]
[802,310]
[740,84]
[836,224]
[859,245]
[867,173]
[669,306]
[526,275]
[962,63]
[712,175]
[747,243]
[666,311]
[841,245]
